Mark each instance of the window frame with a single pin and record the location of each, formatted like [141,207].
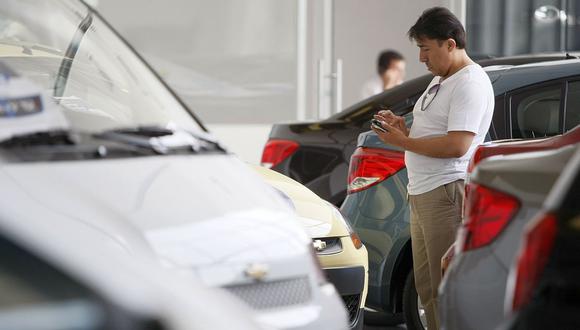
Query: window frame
[514,98]
[571,80]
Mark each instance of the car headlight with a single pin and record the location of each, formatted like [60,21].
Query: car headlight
[353,235]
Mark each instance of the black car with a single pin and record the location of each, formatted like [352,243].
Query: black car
[317,153]
[544,287]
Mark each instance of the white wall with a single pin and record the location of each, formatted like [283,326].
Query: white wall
[221,55]
[247,141]
[364,28]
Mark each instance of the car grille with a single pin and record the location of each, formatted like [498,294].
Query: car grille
[275,294]
[352,303]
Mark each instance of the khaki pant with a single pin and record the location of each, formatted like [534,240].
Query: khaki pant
[435,217]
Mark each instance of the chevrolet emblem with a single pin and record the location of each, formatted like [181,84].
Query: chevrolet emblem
[257,271]
[319,245]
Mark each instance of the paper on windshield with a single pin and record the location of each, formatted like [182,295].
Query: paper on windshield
[25,108]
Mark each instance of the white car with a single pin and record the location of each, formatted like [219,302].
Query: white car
[117,150]
[60,273]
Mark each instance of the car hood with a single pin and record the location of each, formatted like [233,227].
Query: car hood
[316,215]
[204,212]
[131,284]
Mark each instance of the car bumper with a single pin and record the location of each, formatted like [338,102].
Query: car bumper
[325,312]
[348,271]
[471,294]
[350,284]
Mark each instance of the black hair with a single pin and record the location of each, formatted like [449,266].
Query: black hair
[385,59]
[440,24]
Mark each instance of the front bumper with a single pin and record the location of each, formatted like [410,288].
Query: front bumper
[325,312]
[350,284]
[348,271]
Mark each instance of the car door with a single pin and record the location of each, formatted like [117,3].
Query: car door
[537,111]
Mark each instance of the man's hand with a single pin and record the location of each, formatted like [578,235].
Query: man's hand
[393,135]
[454,144]
[390,118]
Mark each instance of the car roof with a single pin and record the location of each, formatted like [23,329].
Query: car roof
[523,75]
[507,73]
[512,173]
[564,191]
[527,145]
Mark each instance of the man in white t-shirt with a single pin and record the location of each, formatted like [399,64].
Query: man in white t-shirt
[390,73]
[450,119]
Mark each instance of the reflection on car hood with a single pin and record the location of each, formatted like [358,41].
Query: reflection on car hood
[208,211]
[131,283]
[316,216]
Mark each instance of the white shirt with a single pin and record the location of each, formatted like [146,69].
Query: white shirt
[372,86]
[464,102]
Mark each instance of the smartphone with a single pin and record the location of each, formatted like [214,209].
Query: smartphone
[377,124]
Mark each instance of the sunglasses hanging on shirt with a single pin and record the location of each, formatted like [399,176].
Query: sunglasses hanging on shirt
[430,96]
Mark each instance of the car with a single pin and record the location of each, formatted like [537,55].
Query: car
[91,132]
[465,315]
[317,153]
[511,146]
[60,273]
[543,284]
[532,101]
[505,191]
[342,255]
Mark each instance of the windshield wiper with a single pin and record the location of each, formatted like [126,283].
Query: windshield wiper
[161,140]
[69,56]
[44,138]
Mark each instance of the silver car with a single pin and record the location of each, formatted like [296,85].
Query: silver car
[503,193]
[59,273]
[90,133]
[543,286]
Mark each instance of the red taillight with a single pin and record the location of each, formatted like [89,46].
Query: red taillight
[488,212]
[276,151]
[536,249]
[370,166]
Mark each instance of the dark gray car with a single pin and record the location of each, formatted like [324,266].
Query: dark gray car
[534,100]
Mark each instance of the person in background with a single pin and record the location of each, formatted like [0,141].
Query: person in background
[390,70]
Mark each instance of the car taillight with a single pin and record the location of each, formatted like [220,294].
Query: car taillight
[488,212]
[537,246]
[370,166]
[276,151]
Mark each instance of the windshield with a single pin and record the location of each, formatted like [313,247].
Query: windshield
[97,81]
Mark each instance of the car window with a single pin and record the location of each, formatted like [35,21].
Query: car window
[96,80]
[537,112]
[572,106]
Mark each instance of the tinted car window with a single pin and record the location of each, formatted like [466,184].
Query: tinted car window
[537,112]
[572,106]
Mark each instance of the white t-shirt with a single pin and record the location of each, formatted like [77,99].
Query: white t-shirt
[464,102]
[372,86]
